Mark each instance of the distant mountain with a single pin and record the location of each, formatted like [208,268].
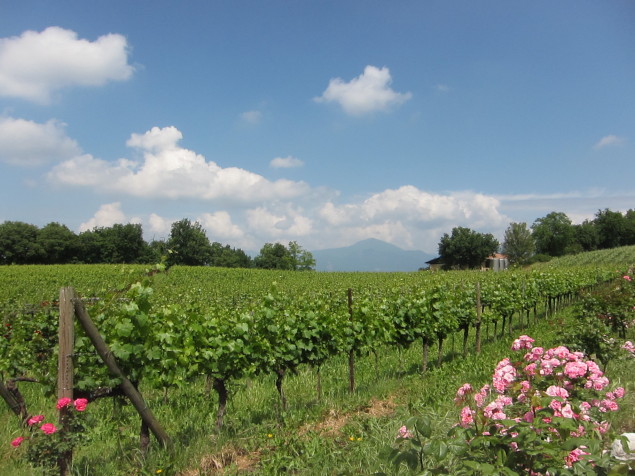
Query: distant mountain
[370,255]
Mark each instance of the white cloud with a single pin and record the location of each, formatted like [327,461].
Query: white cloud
[28,143]
[159,225]
[35,64]
[170,171]
[409,217]
[108,214]
[367,93]
[283,221]
[252,117]
[443,88]
[608,141]
[220,226]
[285,163]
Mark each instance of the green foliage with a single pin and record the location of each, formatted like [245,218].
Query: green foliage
[554,234]
[59,244]
[518,245]
[466,248]
[188,244]
[18,243]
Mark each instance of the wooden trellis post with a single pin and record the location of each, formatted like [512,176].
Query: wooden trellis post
[65,366]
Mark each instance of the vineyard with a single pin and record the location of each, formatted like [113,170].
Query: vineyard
[244,351]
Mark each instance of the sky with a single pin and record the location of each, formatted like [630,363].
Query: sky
[322,122]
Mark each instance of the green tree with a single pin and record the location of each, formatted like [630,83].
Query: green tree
[59,244]
[18,243]
[554,234]
[227,257]
[612,228]
[155,252]
[116,244]
[466,248]
[587,236]
[303,260]
[188,244]
[518,245]
[274,256]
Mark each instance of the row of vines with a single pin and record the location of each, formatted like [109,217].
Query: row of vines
[172,327]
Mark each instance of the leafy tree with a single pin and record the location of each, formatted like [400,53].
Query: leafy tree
[274,256]
[554,234]
[59,244]
[90,251]
[466,248]
[156,252]
[587,236]
[188,244]
[612,228]
[116,244]
[227,257]
[519,245]
[303,259]
[18,243]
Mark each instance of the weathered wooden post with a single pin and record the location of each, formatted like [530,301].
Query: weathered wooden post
[66,338]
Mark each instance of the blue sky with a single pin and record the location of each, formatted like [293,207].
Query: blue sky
[323,122]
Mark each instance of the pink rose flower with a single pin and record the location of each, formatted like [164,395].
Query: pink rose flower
[523,342]
[575,369]
[574,455]
[466,388]
[63,402]
[567,411]
[48,428]
[17,442]
[35,419]
[555,391]
[404,432]
[466,417]
[80,404]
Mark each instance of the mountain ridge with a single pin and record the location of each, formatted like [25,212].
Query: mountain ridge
[370,254]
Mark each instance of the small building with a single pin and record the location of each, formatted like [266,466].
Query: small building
[496,262]
[435,264]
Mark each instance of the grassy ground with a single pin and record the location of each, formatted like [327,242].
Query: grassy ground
[336,434]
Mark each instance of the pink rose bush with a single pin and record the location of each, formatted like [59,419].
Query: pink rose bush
[46,442]
[536,405]
[543,413]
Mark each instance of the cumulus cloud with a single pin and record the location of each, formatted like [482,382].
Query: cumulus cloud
[220,227]
[35,64]
[285,163]
[168,170]
[28,143]
[279,223]
[108,214]
[608,141]
[159,225]
[367,93]
[410,217]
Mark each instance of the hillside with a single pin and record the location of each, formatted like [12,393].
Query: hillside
[370,255]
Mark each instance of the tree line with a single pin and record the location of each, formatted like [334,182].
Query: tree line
[187,244]
[550,236]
